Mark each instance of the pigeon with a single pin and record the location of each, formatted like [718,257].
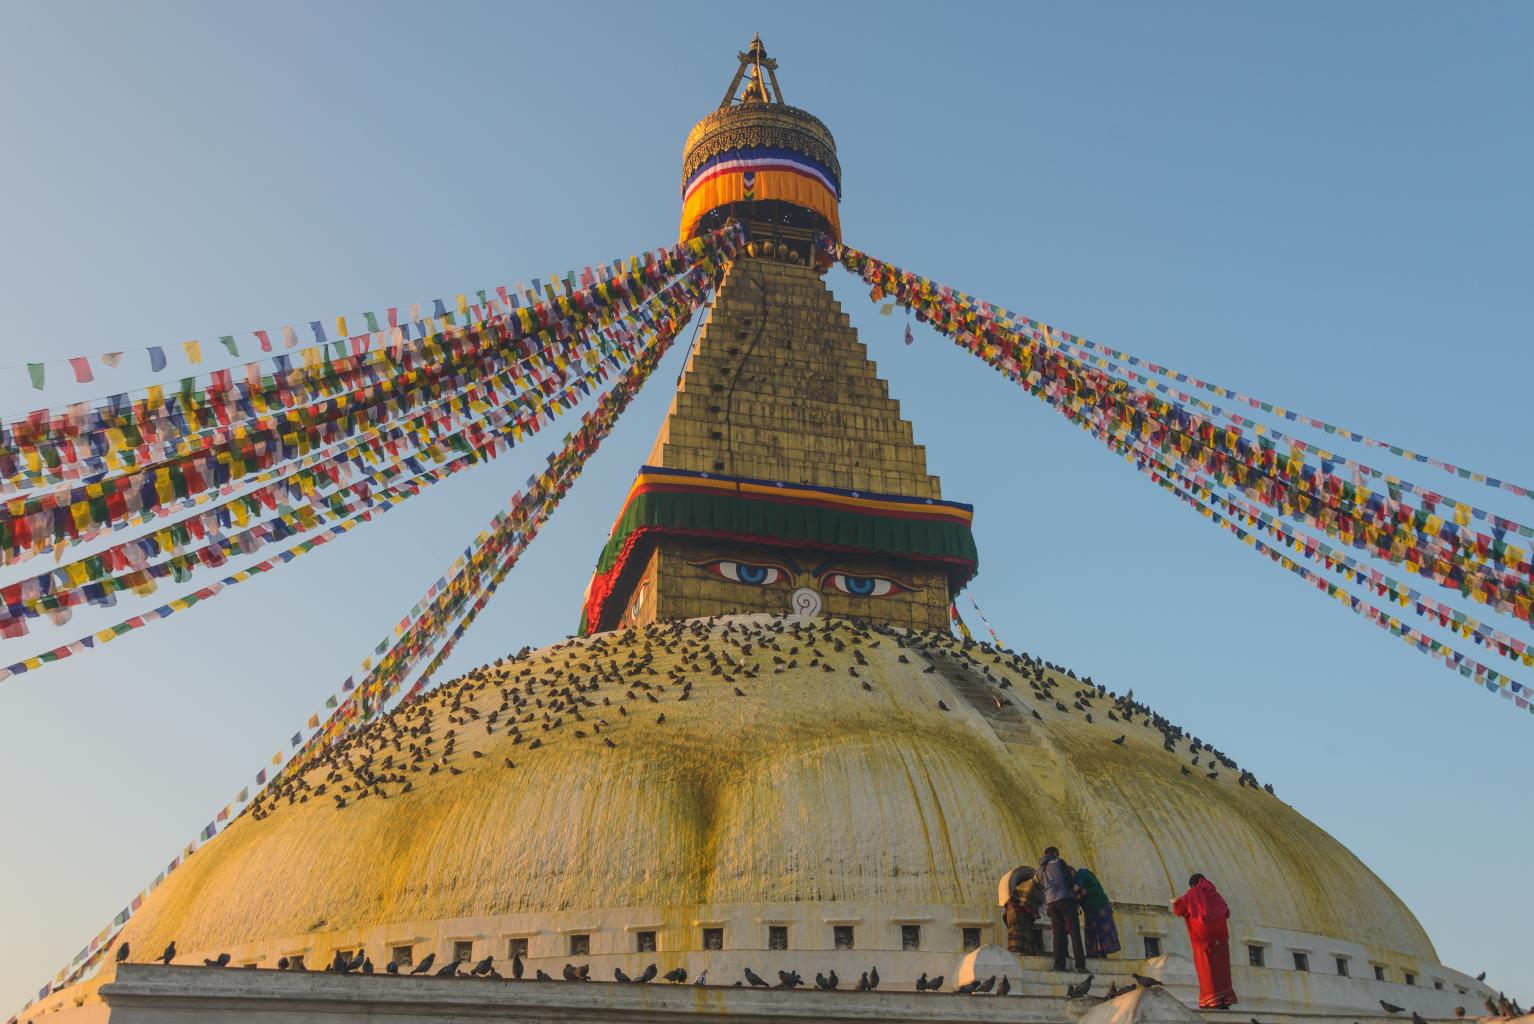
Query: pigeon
[703,979]
[282,964]
[987,984]
[647,975]
[1390,1007]
[941,706]
[873,978]
[516,966]
[367,965]
[1119,741]
[122,952]
[449,969]
[822,982]
[1481,976]
[583,972]
[1005,986]
[755,979]
[221,961]
[1492,1009]
[169,954]
[789,980]
[570,973]
[862,985]
[1417,1018]
[620,977]
[425,964]
[484,967]
[936,984]
[968,988]
[921,983]
[1084,986]
[676,976]
[1144,982]
[540,976]
[357,961]
[392,967]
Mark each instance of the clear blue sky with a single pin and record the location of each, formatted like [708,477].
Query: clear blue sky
[1325,205]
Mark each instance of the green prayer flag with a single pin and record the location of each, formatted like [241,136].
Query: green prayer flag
[227,340]
[372,321]
[35,371]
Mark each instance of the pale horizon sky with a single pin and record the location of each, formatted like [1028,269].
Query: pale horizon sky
[1323,205]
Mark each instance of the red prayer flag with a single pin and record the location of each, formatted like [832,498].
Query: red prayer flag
[82,367]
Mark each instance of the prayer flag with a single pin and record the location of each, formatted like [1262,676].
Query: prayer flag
[227,340]
[319,332]
[193,351]
[266,343]
[156,358]
[111,358]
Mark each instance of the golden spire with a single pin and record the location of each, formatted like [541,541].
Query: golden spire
[759,70]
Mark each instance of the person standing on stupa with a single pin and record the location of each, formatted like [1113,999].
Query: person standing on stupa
[1206,913]
[1059,880]
[1102,934]
[1023,896]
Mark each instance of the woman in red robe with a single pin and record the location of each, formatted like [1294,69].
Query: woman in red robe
[1206,912]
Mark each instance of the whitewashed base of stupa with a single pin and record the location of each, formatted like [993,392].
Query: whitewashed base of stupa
[143,993]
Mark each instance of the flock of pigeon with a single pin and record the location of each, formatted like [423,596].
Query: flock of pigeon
[572,691]
[361,963]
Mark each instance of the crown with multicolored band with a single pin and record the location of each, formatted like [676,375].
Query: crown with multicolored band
[756,148]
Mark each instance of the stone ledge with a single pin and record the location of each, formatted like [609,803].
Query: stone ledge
[142,993]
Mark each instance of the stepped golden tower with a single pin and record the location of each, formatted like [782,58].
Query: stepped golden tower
[784,478]
[765,753]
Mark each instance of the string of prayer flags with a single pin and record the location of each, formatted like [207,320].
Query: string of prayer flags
[478,356]
[120,413]
[667,306]
[1170,443]
[1056,338]
[1484,567]
[527,513]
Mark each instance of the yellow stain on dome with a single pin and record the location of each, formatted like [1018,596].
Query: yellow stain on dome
[808,789]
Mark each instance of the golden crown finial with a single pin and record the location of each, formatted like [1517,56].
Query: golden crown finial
[759,71]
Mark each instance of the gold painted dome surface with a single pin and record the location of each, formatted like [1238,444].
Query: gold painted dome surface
[809,787]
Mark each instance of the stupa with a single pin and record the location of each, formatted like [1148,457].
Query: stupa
[764,751]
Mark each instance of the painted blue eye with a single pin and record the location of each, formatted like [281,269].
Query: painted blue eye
[863,586]
[744,572]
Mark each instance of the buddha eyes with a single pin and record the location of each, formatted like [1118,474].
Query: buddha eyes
[745,572]
[756,575]
[862,586]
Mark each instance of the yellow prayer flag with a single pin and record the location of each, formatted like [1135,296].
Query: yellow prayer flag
[341,330]
[193,351]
